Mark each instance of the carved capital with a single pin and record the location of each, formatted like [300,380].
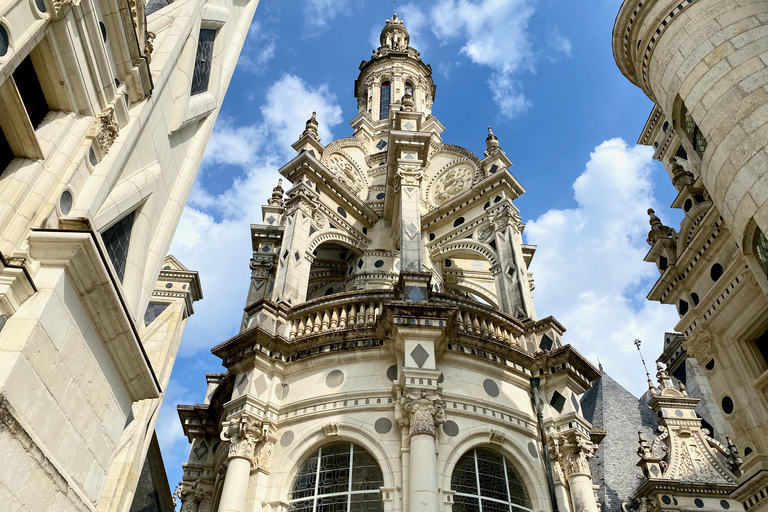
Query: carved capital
[193,497]
[104,131]
[497,436]
[331,428]
[243,433]
[506,218]
[572,452]
[420,412]
[700,344]
[410,176]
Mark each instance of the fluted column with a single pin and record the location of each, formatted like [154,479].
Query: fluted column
[571,453]
[243,433]
[421,413]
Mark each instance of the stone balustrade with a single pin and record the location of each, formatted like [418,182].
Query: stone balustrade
[353,312]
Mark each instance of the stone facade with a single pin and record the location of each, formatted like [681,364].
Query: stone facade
[703,63]
[105,110]
[390,356]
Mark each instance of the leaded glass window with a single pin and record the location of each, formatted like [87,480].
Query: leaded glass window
[202,73]
[485,481]
[153,311]
[338,477]
[693,131]
[384,100]
[116,240]
[760,250]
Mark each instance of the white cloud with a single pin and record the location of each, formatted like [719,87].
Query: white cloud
[589,269]
[213,235]
[557,41]
[258,50]
[508,95]
[415,21]
[319,13]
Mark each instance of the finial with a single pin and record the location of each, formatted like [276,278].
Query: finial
[600,366]
[407,101]
[658,230]
[277,194]
[680,177]
[394,9]
[491,142]
[311,128]
[651,387]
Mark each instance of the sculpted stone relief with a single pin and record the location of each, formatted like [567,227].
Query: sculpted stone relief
[346,173]
[452,182]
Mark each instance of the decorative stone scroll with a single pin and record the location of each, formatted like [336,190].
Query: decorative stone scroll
[410,176]
[572,453]
[243,434]
[420,412]
[453,182]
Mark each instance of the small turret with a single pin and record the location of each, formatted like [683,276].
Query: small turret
[658,230]
[491,142]
[394,35]
[277,194]
[311,128]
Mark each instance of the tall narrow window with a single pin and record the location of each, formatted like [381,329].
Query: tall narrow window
[31,93]
[408,89]
[485,480]
[6,154]
[202,73]
[693,132]
[384,99]
[337,477]
[760,250]
[116,240]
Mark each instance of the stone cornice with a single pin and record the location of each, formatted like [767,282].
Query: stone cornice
[85,264]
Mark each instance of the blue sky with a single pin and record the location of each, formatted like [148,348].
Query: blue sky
[540,72]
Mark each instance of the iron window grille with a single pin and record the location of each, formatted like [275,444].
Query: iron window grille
[693,132]
[338,477]
[117,240]
[202,73]
[485,481]
[384,100]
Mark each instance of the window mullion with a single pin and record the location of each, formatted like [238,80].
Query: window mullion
[317,478]
[477,480]
[506,480]
[351,467]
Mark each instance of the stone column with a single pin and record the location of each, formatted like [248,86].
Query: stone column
[410,217]
[514,293]
[243,433]
[570,453]
[421,412]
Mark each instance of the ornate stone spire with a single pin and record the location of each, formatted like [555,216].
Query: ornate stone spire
[394,35]
[311,129]
[680,177]
[658,230]
[491,142]
[277,194]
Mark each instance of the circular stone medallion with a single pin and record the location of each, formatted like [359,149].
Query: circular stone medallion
[334,379]
[450,428]
[383,425]
[491,388]
[287,438]
[532,450]
[392,373]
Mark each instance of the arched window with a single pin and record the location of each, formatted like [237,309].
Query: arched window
[760,250]
[384,99]
[692,131]
[408,88]
[337,477]
[485,480]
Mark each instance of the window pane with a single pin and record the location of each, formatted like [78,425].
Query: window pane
[203,59]
[153,311]
[30,91]
[384,101]
[464,478]
[368,502]
[466,504]
[366,475]
[302,506]
[304,484]
[519,493]
[493,506]
[490,468]
[332,503]
[116,240]
[334,469]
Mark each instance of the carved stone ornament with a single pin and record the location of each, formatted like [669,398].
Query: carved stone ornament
[331,429]
[318,219]
[497,436]
[410,176]
[700,344]
[58,5]
[420,411]
[453,182]
[149,37]
[506,217]
[243,433]
[104,130]
[345,172]
[483,234]
[748,277]
[193,497]
[261,265]
[572,452]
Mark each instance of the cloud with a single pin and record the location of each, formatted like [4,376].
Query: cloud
[259,49]
[416,22]
[213,235]
[557,41]
[319,13]
[589,269]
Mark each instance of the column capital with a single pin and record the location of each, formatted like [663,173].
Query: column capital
[243,432]
[420,411]
[572,452]
[409,175]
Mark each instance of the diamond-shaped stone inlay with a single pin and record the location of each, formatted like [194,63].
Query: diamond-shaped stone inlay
[415,294]
[243,383]
[271,219]
[411,230]
[200,450]
[381,144]
[260,384]
[409,156]
[494,168]
[409,126]
[546,343]
[420,354]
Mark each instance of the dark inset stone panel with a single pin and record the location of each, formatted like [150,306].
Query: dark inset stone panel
[451,428]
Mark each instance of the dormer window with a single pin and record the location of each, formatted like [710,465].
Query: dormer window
[202,73]
[693,132]
[384,100]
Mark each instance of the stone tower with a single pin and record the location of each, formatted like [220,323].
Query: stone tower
[390,357]
[106,107]
[703,63]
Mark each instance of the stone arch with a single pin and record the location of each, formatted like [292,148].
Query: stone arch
[334,236]
[464,246]
[530,472]
[313,438]
[469,287]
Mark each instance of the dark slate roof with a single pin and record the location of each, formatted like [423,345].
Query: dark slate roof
[610,407]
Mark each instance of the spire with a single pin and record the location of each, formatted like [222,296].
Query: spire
[651,387]
[491,142]
[658,230]
[277,194]
[311,129]
[394,35]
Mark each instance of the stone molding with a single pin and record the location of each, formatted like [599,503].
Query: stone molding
[243,433]
[409,175]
